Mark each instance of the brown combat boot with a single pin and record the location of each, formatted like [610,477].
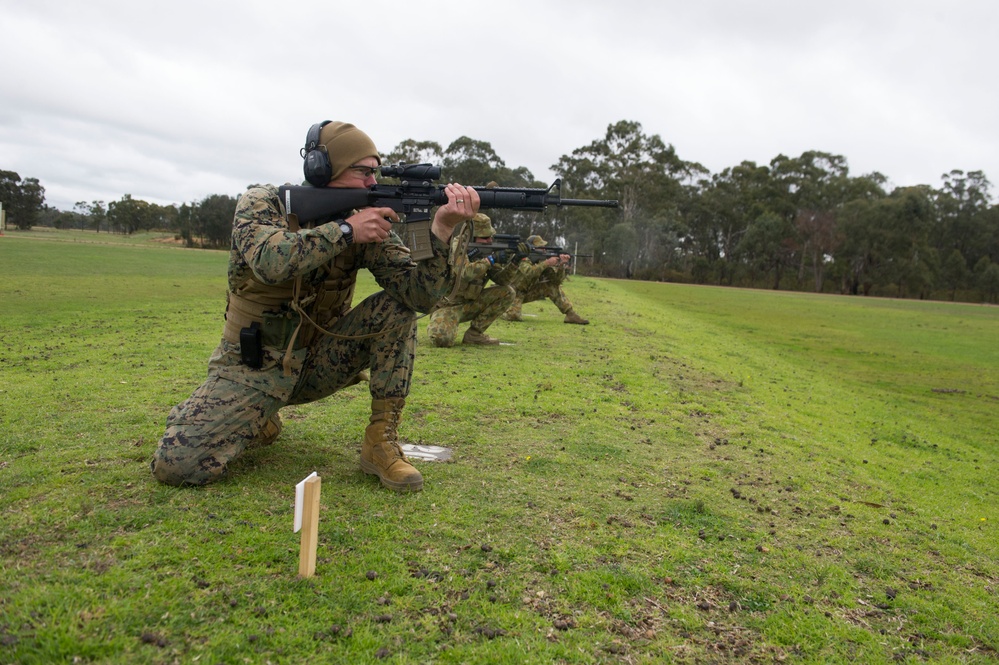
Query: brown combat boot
[572,317]
[381,454]
[268,433]
[474,336]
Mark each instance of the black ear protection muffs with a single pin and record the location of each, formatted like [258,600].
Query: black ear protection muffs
[317,167]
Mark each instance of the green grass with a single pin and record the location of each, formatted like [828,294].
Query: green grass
[700,475]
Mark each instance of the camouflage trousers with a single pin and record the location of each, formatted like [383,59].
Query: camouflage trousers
[539,291]
[486,308]
[214,425]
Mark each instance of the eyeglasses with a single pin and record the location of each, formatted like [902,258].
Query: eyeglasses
[363,171]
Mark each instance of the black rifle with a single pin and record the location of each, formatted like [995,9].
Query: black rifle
[414,198]
[503,247]
[551,250]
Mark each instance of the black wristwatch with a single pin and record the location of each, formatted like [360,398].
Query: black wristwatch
[347,231]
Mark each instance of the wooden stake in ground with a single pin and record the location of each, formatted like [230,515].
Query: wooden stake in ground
[307,519]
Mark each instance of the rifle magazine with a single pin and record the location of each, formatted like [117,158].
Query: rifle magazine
[416,236]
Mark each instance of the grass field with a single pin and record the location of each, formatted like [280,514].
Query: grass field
[700,475]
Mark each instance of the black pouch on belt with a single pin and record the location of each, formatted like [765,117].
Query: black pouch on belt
[251,348]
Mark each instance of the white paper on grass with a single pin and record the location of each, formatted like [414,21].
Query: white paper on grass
[299,500]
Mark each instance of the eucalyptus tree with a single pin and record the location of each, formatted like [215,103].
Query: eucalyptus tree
[184,223]
[474,162]
[814,187]
[767,246]
[722,212]
[885,243]
[97,213]
[954,272]
[81,215]
[213,216]
[813,180]
[128,215]
[990,244]
[857,258]
[816,227]
[963,204]
[806,185]
[651,183]
[411,151]
[987,279]
[985,275]
[22,199]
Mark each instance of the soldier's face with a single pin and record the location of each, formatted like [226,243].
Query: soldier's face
[358,175]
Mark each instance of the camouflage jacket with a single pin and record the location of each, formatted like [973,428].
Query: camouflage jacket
[474,276]
[267,258]
[518,274]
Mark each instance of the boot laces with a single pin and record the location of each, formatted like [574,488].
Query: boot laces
[392,433]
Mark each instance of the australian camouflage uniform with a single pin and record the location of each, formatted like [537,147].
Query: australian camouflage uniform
[473,300]
[541,281]
[296,286]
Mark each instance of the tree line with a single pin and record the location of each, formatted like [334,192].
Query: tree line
[797,223]
[206,223]
[802,223]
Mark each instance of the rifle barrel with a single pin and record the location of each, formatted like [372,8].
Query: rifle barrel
[588,203]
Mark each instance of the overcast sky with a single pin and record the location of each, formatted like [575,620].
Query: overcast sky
[173,101]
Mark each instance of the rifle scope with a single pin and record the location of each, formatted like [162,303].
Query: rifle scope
[412,171]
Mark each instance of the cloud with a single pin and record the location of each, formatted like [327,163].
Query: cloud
[173,102]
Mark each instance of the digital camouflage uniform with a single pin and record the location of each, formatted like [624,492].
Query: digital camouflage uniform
[237,404]
[473,300]
[541,282]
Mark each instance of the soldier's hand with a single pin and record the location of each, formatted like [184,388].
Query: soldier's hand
[462,204]
[372,224]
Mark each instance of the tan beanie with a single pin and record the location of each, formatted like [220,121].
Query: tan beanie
[346,145]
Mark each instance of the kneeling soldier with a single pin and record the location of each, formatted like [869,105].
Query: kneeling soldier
[291,333]
[473,301]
